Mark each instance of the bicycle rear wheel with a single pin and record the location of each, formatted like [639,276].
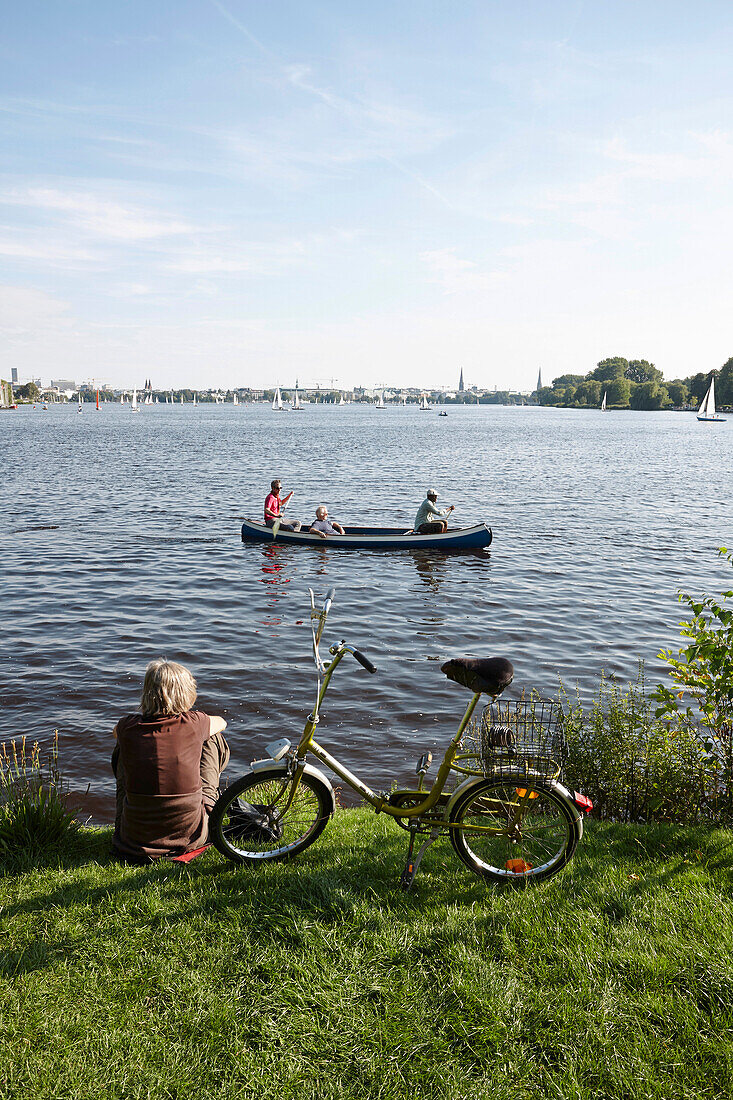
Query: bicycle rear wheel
[515,829]
[250,822]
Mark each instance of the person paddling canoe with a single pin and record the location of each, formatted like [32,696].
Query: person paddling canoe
[274,505]
[429,519]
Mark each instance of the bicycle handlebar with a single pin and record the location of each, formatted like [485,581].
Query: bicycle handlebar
[329,600]
[364,661]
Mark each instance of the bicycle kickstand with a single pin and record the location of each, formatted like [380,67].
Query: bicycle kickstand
[411,865]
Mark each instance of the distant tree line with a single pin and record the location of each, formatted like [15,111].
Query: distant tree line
[634,384]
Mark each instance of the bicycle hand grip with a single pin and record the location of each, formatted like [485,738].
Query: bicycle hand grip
[364,661]
[329,600]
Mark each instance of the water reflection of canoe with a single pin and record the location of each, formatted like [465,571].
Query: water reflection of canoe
[375,538]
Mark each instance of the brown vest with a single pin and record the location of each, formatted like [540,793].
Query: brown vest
[163,812]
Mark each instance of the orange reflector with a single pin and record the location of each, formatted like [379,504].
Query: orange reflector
[521,793]
[517,866]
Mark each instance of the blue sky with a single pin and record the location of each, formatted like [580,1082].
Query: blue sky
[222,192]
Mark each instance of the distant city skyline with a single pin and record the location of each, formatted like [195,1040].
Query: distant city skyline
[228,193]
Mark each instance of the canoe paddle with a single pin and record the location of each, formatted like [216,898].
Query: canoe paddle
[278,521]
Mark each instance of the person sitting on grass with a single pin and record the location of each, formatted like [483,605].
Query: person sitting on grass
[167,763]
[322,526]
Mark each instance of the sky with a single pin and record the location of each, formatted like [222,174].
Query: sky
[236,193]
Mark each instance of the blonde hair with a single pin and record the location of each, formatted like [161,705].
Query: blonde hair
[168,688]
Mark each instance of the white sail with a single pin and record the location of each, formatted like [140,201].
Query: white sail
[296,400]
[603,402]
[235,399]
[341,400]
[424,407]
[708,402]
[134,405]
[380,402]
[707,408]
[277,401]
[194,398]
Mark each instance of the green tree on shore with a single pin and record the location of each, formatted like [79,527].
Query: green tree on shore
[27,392]
[618,392]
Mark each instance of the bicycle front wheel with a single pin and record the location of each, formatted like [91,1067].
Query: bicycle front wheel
[255,819]
[514,829]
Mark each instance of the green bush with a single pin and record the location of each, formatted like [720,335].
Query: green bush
[34,816]
[702,672]
[632,765]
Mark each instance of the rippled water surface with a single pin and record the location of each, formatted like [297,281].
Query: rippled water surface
[120,541]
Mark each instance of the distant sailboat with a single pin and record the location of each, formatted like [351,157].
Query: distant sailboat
[603,402]
[134,407]
[277,401]
[235,399]
[380,403]
[194,398]
[97,400]
[297,407]
[181,398]
[707,411]
[424,407]
[80,406]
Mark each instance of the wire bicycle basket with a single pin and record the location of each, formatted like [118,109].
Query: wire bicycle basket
[522,735]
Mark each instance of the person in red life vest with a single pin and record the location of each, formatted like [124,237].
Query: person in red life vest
[274,505]
[167,763]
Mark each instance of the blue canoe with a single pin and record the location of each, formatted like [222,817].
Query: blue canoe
[374,538]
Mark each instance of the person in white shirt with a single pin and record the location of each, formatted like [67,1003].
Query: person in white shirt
[424,525]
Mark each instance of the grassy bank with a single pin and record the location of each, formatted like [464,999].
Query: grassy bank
[319,979]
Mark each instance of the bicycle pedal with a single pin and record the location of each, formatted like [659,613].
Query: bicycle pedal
[424,763]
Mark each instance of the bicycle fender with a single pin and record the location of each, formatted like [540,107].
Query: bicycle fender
[564,793]
[282,766]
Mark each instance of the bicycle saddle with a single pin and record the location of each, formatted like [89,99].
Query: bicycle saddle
[489,674]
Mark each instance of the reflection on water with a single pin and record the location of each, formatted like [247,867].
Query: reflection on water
[616,514]
[431,567]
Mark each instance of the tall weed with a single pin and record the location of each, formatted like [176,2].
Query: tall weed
[34,816]
[632,765]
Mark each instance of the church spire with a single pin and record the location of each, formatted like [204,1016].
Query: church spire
[539,380]
[460,382]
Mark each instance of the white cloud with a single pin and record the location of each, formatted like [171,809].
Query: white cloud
[99,217]
[459,276]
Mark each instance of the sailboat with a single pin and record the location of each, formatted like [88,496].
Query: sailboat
[277,401]
[134,407]
[297,407]
[380,403]
[80,406]
[97,400]
[424,407]
[603,402]
[341,400]
[194,398]
[235,399]
[181,398]
[707,411]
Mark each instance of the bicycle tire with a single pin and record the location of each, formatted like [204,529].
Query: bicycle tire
[537,847]
[283,835]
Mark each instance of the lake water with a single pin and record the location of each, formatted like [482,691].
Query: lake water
[120,541]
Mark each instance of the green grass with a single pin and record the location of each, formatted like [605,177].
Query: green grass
[319,978]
